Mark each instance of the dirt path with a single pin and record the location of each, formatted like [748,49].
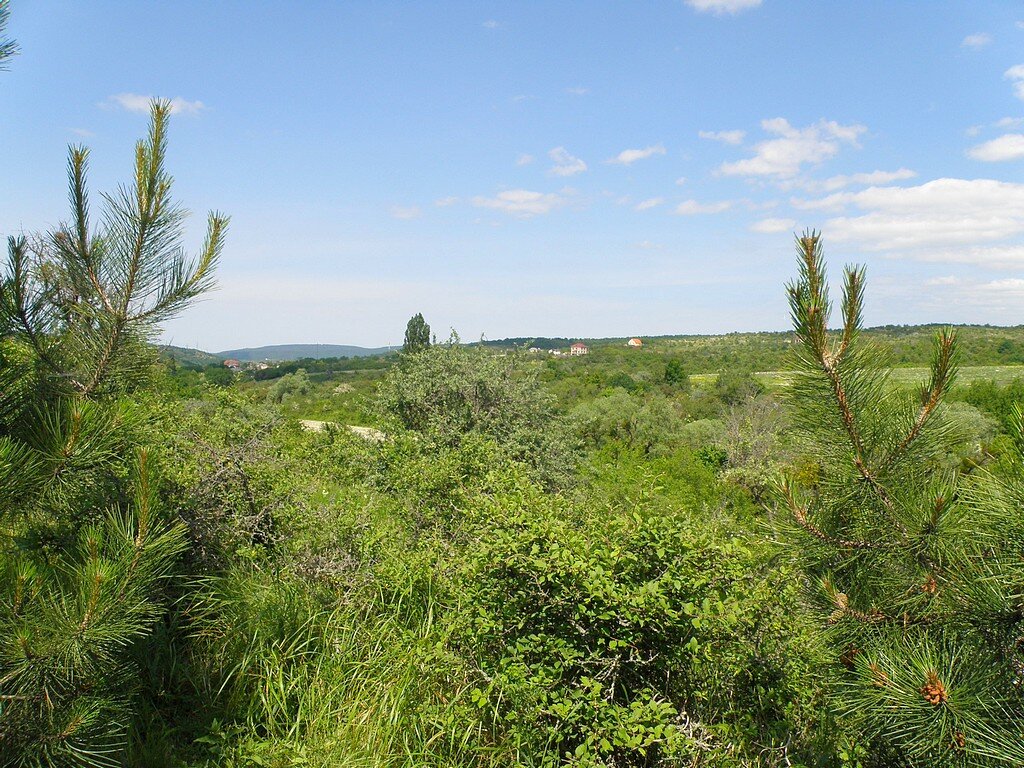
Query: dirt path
[367,433]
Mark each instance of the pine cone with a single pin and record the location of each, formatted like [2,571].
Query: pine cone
[934,690]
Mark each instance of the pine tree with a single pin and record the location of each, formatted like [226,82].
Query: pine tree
[913,569]
[8,48]
[417,335]
[84,545]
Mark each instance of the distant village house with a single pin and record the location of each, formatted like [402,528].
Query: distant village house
[233,364]
[635,343]
[579,348]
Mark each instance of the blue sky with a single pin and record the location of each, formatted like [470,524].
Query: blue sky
[544,168]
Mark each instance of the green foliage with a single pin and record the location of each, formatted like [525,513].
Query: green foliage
[84,301]
[676,375]
[86,546]
[8,48]
[450,391]
[650,424]
[622,640]
[734,386]
[218,375]
[289,385]
[417,335]
[913,571]
[66,618]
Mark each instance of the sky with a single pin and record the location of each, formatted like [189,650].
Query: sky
[579,169]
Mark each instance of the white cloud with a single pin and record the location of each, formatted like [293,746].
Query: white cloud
[680,181]
[941,220]
[1015,75]
[630,156]
[978,40]
[406,211]
[83,132]
[726,137]
[577,91]
[988,256]
[1009,122]
[692,207]
[134,102]
[783,157]
[773,226]
[944,280]
[444,202]
[722,7]
[873,178]
[525,159]
[491,24]
[1007,147]
[522,203]
[974,130]
[565,164]
[652,202]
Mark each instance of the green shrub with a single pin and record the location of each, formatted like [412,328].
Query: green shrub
[626,640]
[448,391]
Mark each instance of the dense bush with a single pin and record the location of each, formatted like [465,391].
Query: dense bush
[448,391]
[629,640]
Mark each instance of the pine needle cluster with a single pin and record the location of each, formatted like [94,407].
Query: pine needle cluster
[85,548]
[913,568]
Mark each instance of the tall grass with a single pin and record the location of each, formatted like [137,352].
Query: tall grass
[313,678]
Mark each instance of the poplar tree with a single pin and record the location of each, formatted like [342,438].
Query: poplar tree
[417,335]
[914,571]
[84,544]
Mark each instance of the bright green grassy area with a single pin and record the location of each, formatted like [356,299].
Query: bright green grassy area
[1001,374]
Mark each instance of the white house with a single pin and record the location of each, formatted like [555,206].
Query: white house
[579,348]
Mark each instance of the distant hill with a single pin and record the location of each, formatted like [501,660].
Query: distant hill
[187,356]
[282,352]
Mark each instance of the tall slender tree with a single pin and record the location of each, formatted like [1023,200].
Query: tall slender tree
[84,545]
[916,582]
[417,335]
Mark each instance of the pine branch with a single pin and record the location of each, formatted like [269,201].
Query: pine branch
[799,514]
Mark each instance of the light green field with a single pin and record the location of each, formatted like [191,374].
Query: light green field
[1001,374]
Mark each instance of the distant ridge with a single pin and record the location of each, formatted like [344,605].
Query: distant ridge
[282,352]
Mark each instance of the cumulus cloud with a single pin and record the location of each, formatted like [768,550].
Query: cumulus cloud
[692,207]
[630,156]
[444,202]
[1009,122]
[722,7]
[978,40]
[406,212]
[652,202]
[773,226]
[726,137]
[1015,75]
[525,159]
[135,102]
[1007,147]
[941,220]
[784,157]
[564,163]
[522,203]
